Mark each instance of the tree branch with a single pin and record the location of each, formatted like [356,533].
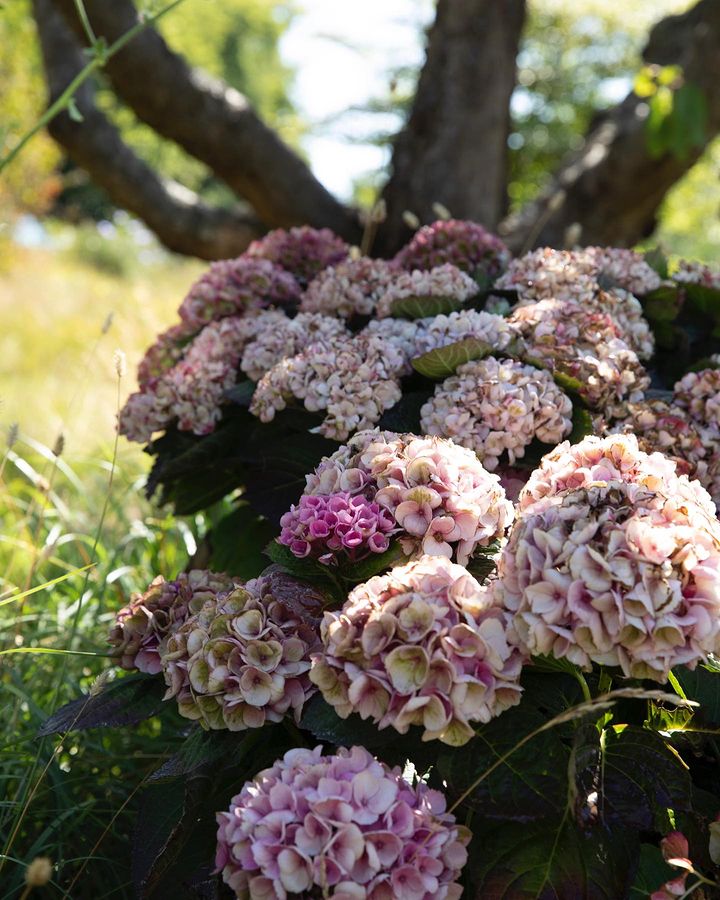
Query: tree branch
[177,216]
[610,191]
[212,122]
[454,148]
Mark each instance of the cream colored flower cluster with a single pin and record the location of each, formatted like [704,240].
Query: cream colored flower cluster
[446,281]
[422,645]
[241,660]
[615,560]
[351,288]
[353,379]
[497,407]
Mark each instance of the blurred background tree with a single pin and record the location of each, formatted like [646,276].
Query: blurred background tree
[575,64]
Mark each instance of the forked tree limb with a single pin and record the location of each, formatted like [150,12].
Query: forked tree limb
[610,191]
[177,216]
[454,147]
[212,122]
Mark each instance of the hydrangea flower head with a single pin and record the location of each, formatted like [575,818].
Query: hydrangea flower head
[342,826]
[616,571]
[422,645]
[303,251]
[441,499]
[147,621]
[350,288]
[496,407]
[689,272]
[699,394]
[465,244]
[241,660]
[233,286]
[446,281]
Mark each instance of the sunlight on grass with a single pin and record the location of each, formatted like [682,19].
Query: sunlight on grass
[56,368]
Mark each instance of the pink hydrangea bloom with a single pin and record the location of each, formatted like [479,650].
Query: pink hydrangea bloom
[583,343]
[354,379]
[670,429]
[465,244]
[699,394]
[497,407]
[576,274]
[345,827]
[339,524]
[303,250]
[280,337]
[422,645]
[443,501]
[192,391]
[233,286]
[615,559]
[141,627]
[350,288]
[445,281]
[242,659]
[696,273]
[164,353]
[616,457]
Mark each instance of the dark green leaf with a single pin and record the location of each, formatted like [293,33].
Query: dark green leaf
[530,784]
[567,382]
[657,260]
[705,299]
[373,564]
[321,720]
[582,424]
[550,860]
[703,685]
[238,543]
[125,701]
[662,304]
[442,362]
[652,873]
[405,415]
[241,394]
[317,574]
[209,748]
[424,307]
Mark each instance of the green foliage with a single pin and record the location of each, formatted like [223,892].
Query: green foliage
[677,117]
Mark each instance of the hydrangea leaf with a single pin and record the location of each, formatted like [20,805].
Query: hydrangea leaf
[702,685]
[548,860]
[203,748]
[443,361]
[242,393]
[404,417]
[662,304]
[324,724]
[373,564]
[652,873]
[424,307]
[125,701]
[704,298]
[637,777]
[238,542]
[582,424]
[657,260]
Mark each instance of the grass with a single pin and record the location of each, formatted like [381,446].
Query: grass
[73,799]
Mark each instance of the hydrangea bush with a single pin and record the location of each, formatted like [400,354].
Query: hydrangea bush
[453,626]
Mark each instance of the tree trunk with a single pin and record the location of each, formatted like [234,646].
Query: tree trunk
[610,191]
[453,150]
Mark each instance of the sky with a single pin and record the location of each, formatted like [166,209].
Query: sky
[341,54]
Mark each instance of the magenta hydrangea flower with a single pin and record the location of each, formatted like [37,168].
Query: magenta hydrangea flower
[242,659]
[423,645]
[498,407]
[345,827]
[233,286]
[442,500]
[339,525]
[465,244]
[303,251]
[350,288]
[141,627]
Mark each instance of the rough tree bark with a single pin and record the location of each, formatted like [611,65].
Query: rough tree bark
[213,122]
[177,216]
[453,149]
[610,192]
